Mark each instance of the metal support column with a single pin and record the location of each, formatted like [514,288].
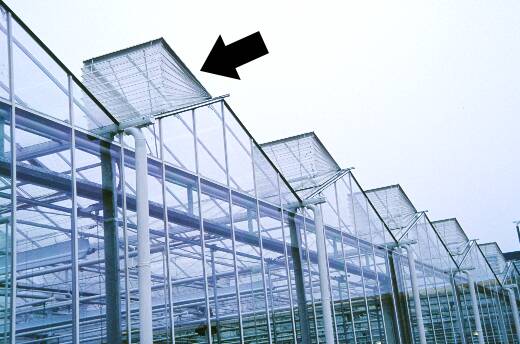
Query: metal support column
[474,305]
[143,237]
[12,272]
[167,243]
[111,244]
[74,221]
[286,261]
[514,310]
[399,314]
[215,291]
[323,273]
[122,177]
[298,279]
[261,245]
[415,293]
[458,307]
[232,222]
[209,336]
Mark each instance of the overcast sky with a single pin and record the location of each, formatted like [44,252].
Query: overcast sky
[422,93]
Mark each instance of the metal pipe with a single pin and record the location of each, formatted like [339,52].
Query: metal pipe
[74,222]
[514,310]
[110,243]
[474,305]
[122,178]
[416,294]
[143,237]
[14,191]
[323,273]
[167,243]
[260,244]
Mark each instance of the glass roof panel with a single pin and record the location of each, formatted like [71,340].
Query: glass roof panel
[303,160]
[144,80]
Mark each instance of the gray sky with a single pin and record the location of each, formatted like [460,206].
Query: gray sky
[421,93]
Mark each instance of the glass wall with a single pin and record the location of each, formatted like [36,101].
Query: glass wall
[6,232]
[233,255]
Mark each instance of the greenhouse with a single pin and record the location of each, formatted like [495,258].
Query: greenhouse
[137,208]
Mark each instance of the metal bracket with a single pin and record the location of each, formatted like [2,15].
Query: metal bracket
[331,180]
[465,269]
[394,245]
[306,202]
[466,251]
[417,217]
[146,120]
[137,122]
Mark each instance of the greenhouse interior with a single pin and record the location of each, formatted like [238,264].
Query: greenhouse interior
[137,208]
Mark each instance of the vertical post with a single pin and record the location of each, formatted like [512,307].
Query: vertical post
[398,303]
[357,247]
[286,261]
[341,226]
[262,258]
[458,307]
[128,318]
[271,297]
[416,294]
[74,221]
[323,273]
[310,283]
[500,318]
[215,292]
[253,297]
[111,245]
[12,300]
[232,224]
[514,310]
[6,286]
[298,278]
[474,305]
[166,235]
[201,228]
[143,237]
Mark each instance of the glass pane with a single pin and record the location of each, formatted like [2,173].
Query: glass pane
[277,278]
[151,133]
[266,178]
[99,211]
[43,238]
[250,272]
[5,221]
[186,264]
[210,141]
[220,269]
[87,115]
[179,146]
[40,83]
[239,155]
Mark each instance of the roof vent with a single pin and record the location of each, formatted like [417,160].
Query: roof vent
[144,80]
[303,160]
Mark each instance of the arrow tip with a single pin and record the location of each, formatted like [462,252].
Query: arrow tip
[218,62]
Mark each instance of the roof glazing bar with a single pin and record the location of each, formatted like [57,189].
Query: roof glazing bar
[331,180]
[417,217]
[466,253]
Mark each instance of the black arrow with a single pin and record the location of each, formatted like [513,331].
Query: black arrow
[223,60]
